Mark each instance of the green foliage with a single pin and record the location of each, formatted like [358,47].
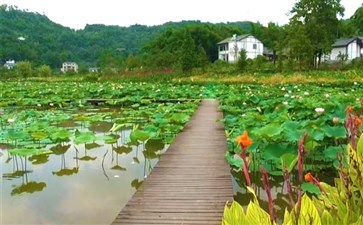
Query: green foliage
[319,19]
[242,60]
[24,69]
[254,214]
[356,21]
[104,46]
[44,71]
[132,62]
[339,204]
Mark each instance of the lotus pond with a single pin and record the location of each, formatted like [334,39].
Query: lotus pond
[73,163]
[63,160]
[276,117]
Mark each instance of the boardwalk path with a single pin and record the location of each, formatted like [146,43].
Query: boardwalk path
[191,183]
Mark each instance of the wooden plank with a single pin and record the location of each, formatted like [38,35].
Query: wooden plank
[191,183]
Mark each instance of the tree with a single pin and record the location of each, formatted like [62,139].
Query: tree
[132,62]
[300,48]
[188,57]
[319,17]
[24,69]
[272,38]
[44,71]
[202,58]
[356,21]
[242,60]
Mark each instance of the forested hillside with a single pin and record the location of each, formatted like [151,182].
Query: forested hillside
[28,36]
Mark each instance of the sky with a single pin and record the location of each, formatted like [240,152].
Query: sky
[77,13]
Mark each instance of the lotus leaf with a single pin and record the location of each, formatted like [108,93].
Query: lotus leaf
[39,135]
[139,135]
[154,145]
[85,137]
[60,135]
[27,152]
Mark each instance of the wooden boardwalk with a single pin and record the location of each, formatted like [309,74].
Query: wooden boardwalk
[192,182]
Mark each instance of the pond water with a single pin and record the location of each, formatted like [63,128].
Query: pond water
[74,183]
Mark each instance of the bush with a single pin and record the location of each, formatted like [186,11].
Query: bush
[44,71]
[24,69]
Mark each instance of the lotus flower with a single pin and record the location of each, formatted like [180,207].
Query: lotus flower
[319,110]
[335,119]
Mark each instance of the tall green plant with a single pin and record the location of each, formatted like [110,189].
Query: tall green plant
[242,60]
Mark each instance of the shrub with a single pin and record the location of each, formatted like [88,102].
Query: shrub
[24,69]
[44,71]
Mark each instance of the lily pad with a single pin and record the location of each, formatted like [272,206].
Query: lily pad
[139,135]
[27,152]
[60,135]
[154,145]
[86,137]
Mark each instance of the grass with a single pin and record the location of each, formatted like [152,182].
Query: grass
[210,77]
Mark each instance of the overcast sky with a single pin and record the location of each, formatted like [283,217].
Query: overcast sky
[77,13]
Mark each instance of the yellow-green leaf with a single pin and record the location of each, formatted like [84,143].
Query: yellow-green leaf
[255,200]
[326,218]
[360,145]
[256,215]
[309,214]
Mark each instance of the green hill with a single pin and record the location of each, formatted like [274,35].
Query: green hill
[32,36]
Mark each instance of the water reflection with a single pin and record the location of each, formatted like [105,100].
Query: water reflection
[22,171]
[99,177]
[28,187]
[136,183]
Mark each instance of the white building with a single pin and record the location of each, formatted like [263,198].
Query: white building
[229,49]
[350,48]
[10,64]
[69,66]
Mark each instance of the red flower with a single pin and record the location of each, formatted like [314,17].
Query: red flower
[357,121]
[349,109]
[309,177]
[244,140]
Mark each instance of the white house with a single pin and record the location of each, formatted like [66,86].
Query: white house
[351,48]
[10,64]
[69,66]
[230,48]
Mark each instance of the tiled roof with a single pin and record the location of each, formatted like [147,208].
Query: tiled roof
[345,41]
[238,38]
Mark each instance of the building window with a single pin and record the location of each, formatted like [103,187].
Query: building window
[254,46]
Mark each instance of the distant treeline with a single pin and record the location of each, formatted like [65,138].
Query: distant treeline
[28,36]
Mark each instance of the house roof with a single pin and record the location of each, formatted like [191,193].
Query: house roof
[230,39]
[346,41]
[69,63]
